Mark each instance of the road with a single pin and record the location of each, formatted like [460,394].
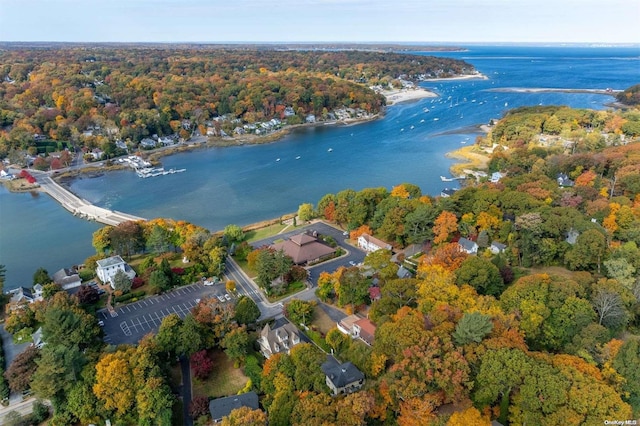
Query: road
[129,323]
[186,390]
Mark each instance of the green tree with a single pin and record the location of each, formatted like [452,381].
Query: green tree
[233,233]
[380,262]
[501,372]
[159,240]
[337,340]
[299,311]
[190,336]
[247,312]
[121,282]
[626,364]
[480,274]
[169,334]
[235,343]
[472,328]
[41,276]
[159,280]
[588,251]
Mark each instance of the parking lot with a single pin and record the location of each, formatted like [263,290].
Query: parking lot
[129,323]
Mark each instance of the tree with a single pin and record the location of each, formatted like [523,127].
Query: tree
[306,212]
[245,416]
[472,328]
[159,239]
[247,312]
[199,406]
[190,336]
[87,295]
[626,364]
[445,224]
[501,372]
[127,238]
[480,274]
[21,370]
[169,334]
[102,239]
[235,343]
[154,400]
[230,286]
[159,280]
[609,307]
[121,282]
[114,379]
[233,233]
[337,340]
[201,365]
[299,311]
[41,276]
[470,416]
[380,262]
[588,251]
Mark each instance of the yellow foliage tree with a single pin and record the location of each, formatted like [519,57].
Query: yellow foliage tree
[114,381]
[400,191]
[470,416]
[445,224]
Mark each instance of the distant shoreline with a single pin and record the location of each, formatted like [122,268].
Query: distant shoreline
[610,92]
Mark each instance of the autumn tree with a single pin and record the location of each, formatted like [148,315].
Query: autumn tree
[245,416]
[21,370]
[445,224]
[305,212]
[469,416]
[201,364]
[113,381]
[236,343]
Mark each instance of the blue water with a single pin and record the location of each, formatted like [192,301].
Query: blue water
[246,184]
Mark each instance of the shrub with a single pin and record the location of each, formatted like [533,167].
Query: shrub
[201,365]
[137,282]
[199,406]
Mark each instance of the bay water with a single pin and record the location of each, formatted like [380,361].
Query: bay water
[247,184]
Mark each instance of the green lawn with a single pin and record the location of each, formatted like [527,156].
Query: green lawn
[293,288]
[225,379]
[266,232]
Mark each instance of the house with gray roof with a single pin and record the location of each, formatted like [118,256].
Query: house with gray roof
[67,278]
[107,269]
[497,247]
[468,246]
[220,408]
[280,339]
[342,378]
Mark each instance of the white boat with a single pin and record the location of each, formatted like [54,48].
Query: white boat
[436,119]
[411,127]
[422,121]
[402,130]
[298,157]
[277,159]
[330,150]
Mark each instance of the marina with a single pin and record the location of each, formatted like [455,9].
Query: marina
[157,171]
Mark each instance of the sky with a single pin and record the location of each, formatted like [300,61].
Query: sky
[437,21]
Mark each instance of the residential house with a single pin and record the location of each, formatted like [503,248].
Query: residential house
[147,143]
[497,248]
[468,246]
[365,330]
[288,112]
[222,407]
[67,278]
[97,153]
[280,339]
[37,338]
[20,297]
[121,144]
[448,192]
[107,269]
[403,272]
[495,177]
[374,293]
[368,243]
[310,118]
[342,378]
[358,328]
[572,236]
[563,180]
[304,248]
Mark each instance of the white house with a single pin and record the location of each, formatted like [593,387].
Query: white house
[107,269]
[468,246]
[497,247]
[496,176]
[368,243]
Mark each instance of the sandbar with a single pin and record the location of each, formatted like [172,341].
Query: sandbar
[476,76]
[404,95]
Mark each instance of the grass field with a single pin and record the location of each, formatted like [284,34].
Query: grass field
[322,321]
[265,232]
[225,379]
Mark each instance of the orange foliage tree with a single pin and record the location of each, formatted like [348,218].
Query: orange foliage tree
[444,225]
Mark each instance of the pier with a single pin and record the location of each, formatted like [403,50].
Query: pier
[80,207]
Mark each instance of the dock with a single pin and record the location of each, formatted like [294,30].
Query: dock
[83,208]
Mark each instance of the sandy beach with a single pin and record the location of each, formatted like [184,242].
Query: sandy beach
[404,95]
[477,76]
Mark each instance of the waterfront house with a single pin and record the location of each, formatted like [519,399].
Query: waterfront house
[67,278]
[448,192]
[468,246]
[21,297]
[147,143]
[220,408]
[107,269]
[495,177]
[280,339]
[368,243]
[342,378]
[304,248]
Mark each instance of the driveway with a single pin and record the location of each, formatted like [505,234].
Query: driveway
[129,323]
